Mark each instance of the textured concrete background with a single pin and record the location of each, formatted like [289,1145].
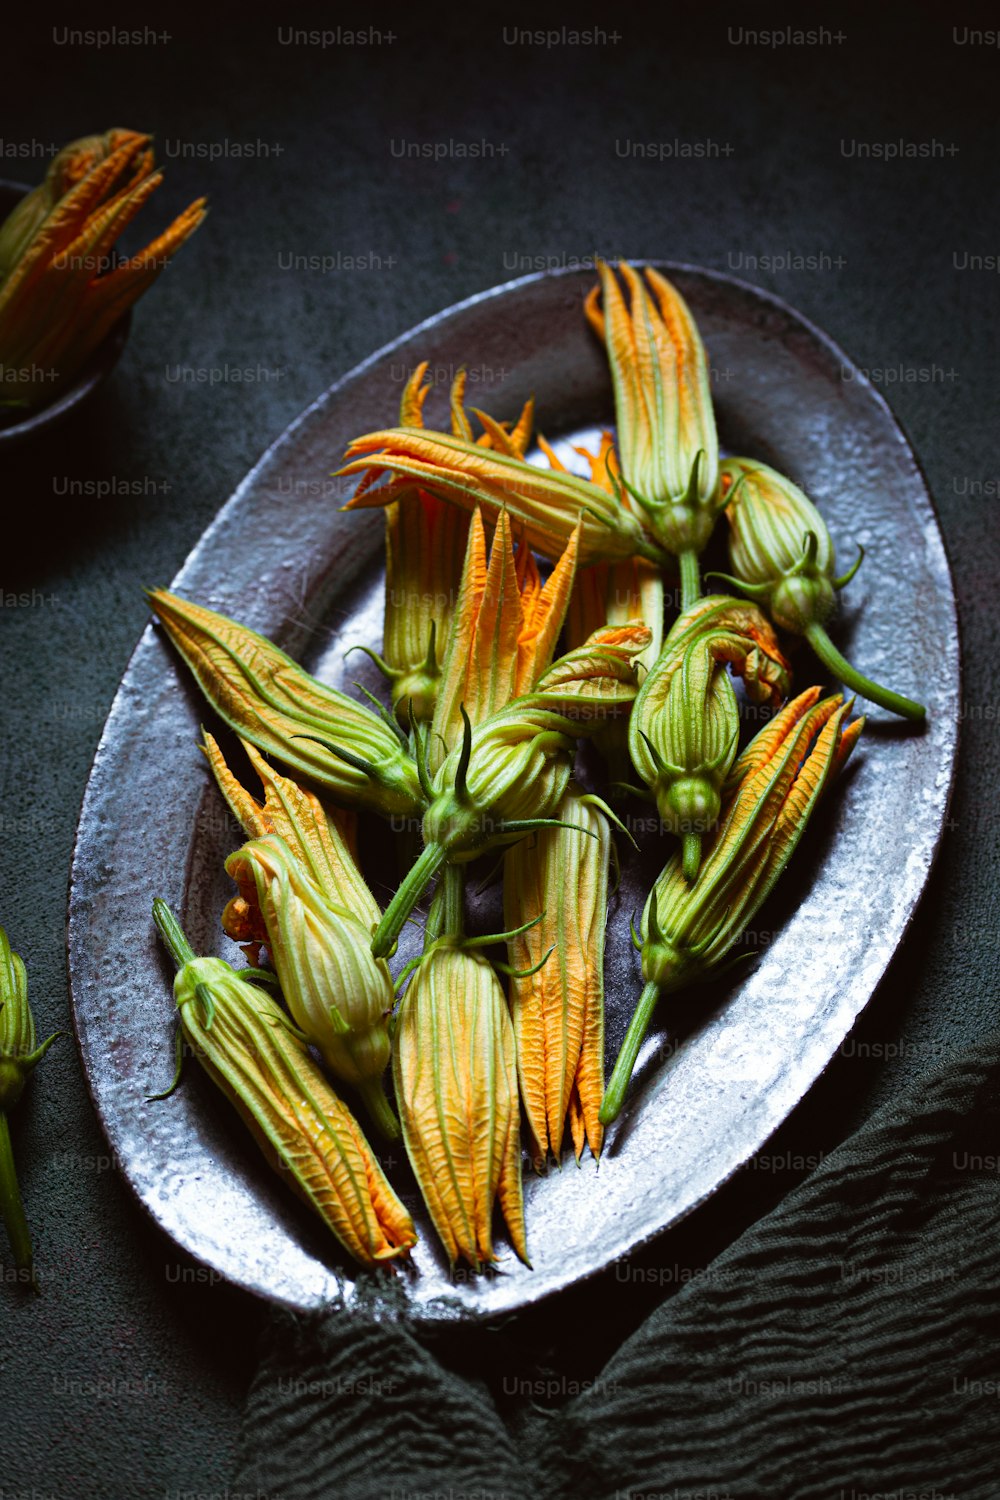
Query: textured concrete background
[127,1376]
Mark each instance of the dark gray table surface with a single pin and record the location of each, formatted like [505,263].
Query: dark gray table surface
[126,1377]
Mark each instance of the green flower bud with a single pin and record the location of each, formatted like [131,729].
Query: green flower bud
[19,1055]
[782,555]
[685,724]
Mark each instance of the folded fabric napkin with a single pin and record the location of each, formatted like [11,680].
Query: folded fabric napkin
[847,1347]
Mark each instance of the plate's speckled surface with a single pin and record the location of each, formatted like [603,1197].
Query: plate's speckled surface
[722,1069]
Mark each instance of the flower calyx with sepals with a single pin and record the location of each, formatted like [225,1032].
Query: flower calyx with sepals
[782,555]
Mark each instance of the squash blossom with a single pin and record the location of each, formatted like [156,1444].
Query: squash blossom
[61,286]
[782,555]
[508,774]
[684,727]
[455,1074]
[269,699]
[687,929]
[425,543]
[555,897]
[545,505]
[503,633]
[339,995]
[249,1048]
[321,842]
[20,1053]
[663,411]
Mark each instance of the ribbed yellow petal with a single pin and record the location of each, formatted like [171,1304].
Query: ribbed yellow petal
[270,700]
[245,1045]
[559,880]
[320,841]
[456,1087]
[546,504]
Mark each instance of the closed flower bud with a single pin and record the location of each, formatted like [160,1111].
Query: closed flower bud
[339,995]
[248,1048]
[456,1085]
[684,728]
[782,555]
[20,1053]
[315,731]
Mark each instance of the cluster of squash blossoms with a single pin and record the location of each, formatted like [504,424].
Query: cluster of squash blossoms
[477,748]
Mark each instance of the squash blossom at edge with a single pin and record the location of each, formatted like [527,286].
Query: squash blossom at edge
[687,929]
[20,1054]
[247,1046]
[323,843]
[782,554]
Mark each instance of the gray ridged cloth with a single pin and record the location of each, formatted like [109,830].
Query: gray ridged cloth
[845,1347]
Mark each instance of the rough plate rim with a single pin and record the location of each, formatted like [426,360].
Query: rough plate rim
[920,499]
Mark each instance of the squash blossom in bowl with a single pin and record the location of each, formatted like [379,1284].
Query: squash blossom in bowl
[62,287]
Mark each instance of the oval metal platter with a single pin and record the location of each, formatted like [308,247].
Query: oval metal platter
[723,1066]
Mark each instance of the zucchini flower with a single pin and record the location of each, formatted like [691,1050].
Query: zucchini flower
[555,899]
[424,546]
[545,505]
[456,1086]
[61,289]
[782,555]
[503,633]
[509,774]
[321,843]
[663,410]
[684,727]
[251,1051]
[425,539]
[20,1053]
[339,995]
[269,699]
[687,929]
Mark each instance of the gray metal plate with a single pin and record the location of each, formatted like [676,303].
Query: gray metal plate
[724,1066]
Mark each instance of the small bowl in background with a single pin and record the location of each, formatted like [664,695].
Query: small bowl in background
[16,425]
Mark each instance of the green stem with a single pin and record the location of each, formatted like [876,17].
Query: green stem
[850,677]
[447,914]
[379,1108]
[11,1206]
[412,887]
[170,931]
[691,856]
[614,1094]
[690,579]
